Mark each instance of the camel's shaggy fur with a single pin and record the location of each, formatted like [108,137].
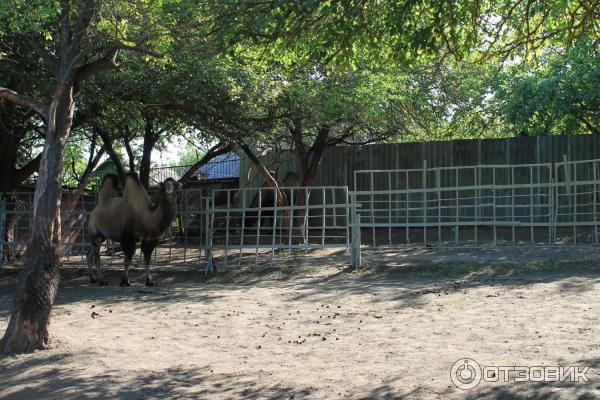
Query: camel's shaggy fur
[129,218]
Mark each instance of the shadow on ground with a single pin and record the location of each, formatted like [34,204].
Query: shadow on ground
[411,279]
[43,378]
[21,381]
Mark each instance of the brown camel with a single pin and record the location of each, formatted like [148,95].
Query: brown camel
[129,218]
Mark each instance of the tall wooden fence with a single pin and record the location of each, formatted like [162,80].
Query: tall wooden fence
[339,163]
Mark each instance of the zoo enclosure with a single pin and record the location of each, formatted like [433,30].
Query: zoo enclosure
[256,225]
[340,162]
[184,243]
[483,205]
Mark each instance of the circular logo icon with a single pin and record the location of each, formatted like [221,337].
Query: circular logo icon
[465,373]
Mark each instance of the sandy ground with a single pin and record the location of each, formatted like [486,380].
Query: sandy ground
[318,332]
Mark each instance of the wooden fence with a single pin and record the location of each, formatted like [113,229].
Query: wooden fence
[339,163]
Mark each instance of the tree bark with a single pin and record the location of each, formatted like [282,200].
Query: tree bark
[309,166]
[30,316]
[107,145]
[150,139]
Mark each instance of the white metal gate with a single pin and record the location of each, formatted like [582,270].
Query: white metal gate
[532,204]
[259,225]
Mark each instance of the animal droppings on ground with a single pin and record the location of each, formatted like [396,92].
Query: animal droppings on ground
[291,353]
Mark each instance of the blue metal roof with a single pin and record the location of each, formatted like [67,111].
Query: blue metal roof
[221,167]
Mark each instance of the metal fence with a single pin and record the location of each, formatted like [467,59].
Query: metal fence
[340,162]
[185,243]
[212,171]
[256,226]
[530,204]
[547,204]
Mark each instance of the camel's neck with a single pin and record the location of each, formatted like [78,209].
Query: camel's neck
[164,210]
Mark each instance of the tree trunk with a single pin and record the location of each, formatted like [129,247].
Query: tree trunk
[107,145]
[281,196]
[309,162]
[28,326]
[150,138]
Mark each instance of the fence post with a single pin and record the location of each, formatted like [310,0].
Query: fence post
[209,223]
[569,194]
[355,253]
[425,202]
[553,193]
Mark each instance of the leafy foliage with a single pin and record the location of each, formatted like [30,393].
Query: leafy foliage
[561,96]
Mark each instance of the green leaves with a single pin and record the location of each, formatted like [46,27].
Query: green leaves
[561,96]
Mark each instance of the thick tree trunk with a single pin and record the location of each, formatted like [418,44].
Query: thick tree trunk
[28,326]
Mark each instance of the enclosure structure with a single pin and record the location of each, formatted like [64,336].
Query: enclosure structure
[339,163]
[266,225]
[547,204]
[527,204]
[185,243]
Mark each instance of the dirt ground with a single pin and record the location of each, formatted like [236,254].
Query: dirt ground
[319,331]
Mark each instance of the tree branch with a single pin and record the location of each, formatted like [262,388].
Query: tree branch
[107,145]
[108,61]
[215,151]
[28,169]
[26,102]
[86,14]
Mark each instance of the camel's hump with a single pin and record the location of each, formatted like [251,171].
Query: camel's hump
[109,188]
[136,194]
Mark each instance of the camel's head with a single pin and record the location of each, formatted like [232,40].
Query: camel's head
[171,187]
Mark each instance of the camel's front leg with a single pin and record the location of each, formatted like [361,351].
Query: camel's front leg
[90,258]
[147,247]
[94,258]
[128,246]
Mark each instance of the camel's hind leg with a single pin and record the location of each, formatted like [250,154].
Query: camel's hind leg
[93,258]
[90,258]
[128,246]
[147,247]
